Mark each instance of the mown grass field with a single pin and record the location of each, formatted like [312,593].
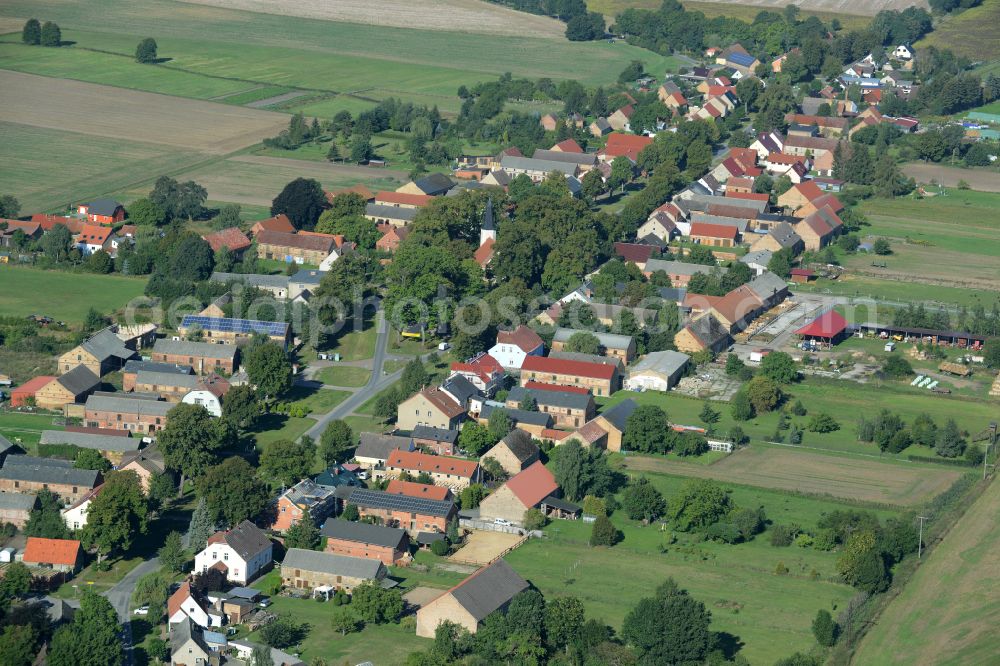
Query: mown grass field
[119,70]
[290,51]
[61,295]
[344,375]
[24,429]
[901,290]
[47,169]
[810,472]
[972,33]
[767,612]
[845,401]
[948,611]
[931,237]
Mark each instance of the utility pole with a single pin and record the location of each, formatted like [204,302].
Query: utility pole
[920,539]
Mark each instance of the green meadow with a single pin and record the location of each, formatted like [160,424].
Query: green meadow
[244,47]
[50,168]
[68,296]
[769,613]
[844,400]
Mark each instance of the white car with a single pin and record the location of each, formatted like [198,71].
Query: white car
[502,521]
[141,610]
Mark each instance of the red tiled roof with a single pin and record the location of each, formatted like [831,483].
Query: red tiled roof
[442,401]
[74,224]
[561,366]
[714,230]
[29,387]
[484,366]
[827,201]
[52,551]
[629,145]
[484,254]
[91,234]
[424,462]
[828,325]
[634,252]
[232,238]
[809,190]
[276,223]
[741,182]
[411,489]
[522,336]
[29,228]
[700,302]
[819,121]
[591,432]
[735,305]
[749,196]
[554,435]
[803,272]
[781,158]
[178,598]
[403,199]
[542,386]
[568,146]
[365,193]
[338,239]
[533,484]
[298,241]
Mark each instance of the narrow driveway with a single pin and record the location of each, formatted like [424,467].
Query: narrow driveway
[120,597]
[376,383]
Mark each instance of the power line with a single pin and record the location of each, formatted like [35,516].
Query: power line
[920,539]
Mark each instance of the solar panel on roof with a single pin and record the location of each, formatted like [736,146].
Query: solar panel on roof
[398,502]
[226,325]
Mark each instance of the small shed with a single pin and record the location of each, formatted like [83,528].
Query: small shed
[802,275]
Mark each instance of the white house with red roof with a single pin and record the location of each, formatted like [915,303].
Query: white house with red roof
[514,346]
[92,238]
[184,604]
[482,370]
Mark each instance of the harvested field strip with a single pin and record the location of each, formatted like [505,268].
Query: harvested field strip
[70,295]
[807,472]
[257,179]
[949,610]
[978,179]
[451,15]
[276,99]
[131,115]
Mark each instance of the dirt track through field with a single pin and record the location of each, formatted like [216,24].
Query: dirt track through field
[863,7]
[450,15]
[87,108]
[806,472]
[978,179]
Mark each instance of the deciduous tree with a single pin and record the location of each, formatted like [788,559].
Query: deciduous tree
[145,51]
[287,462]
[268,368]
[190,441]
[117,515]
[31,34]
[336,442]
[92,639]
[302,200]
[232,491]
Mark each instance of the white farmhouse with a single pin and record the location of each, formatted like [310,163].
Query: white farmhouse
[513,347]
[75,515]
[241,553]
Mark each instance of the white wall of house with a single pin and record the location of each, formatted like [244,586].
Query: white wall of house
[204,398]
[76,517]
[239,570]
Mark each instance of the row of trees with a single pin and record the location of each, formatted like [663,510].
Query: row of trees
[892,434]
[35,33]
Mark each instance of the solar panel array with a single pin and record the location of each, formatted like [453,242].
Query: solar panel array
[226,325]
[382,500]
